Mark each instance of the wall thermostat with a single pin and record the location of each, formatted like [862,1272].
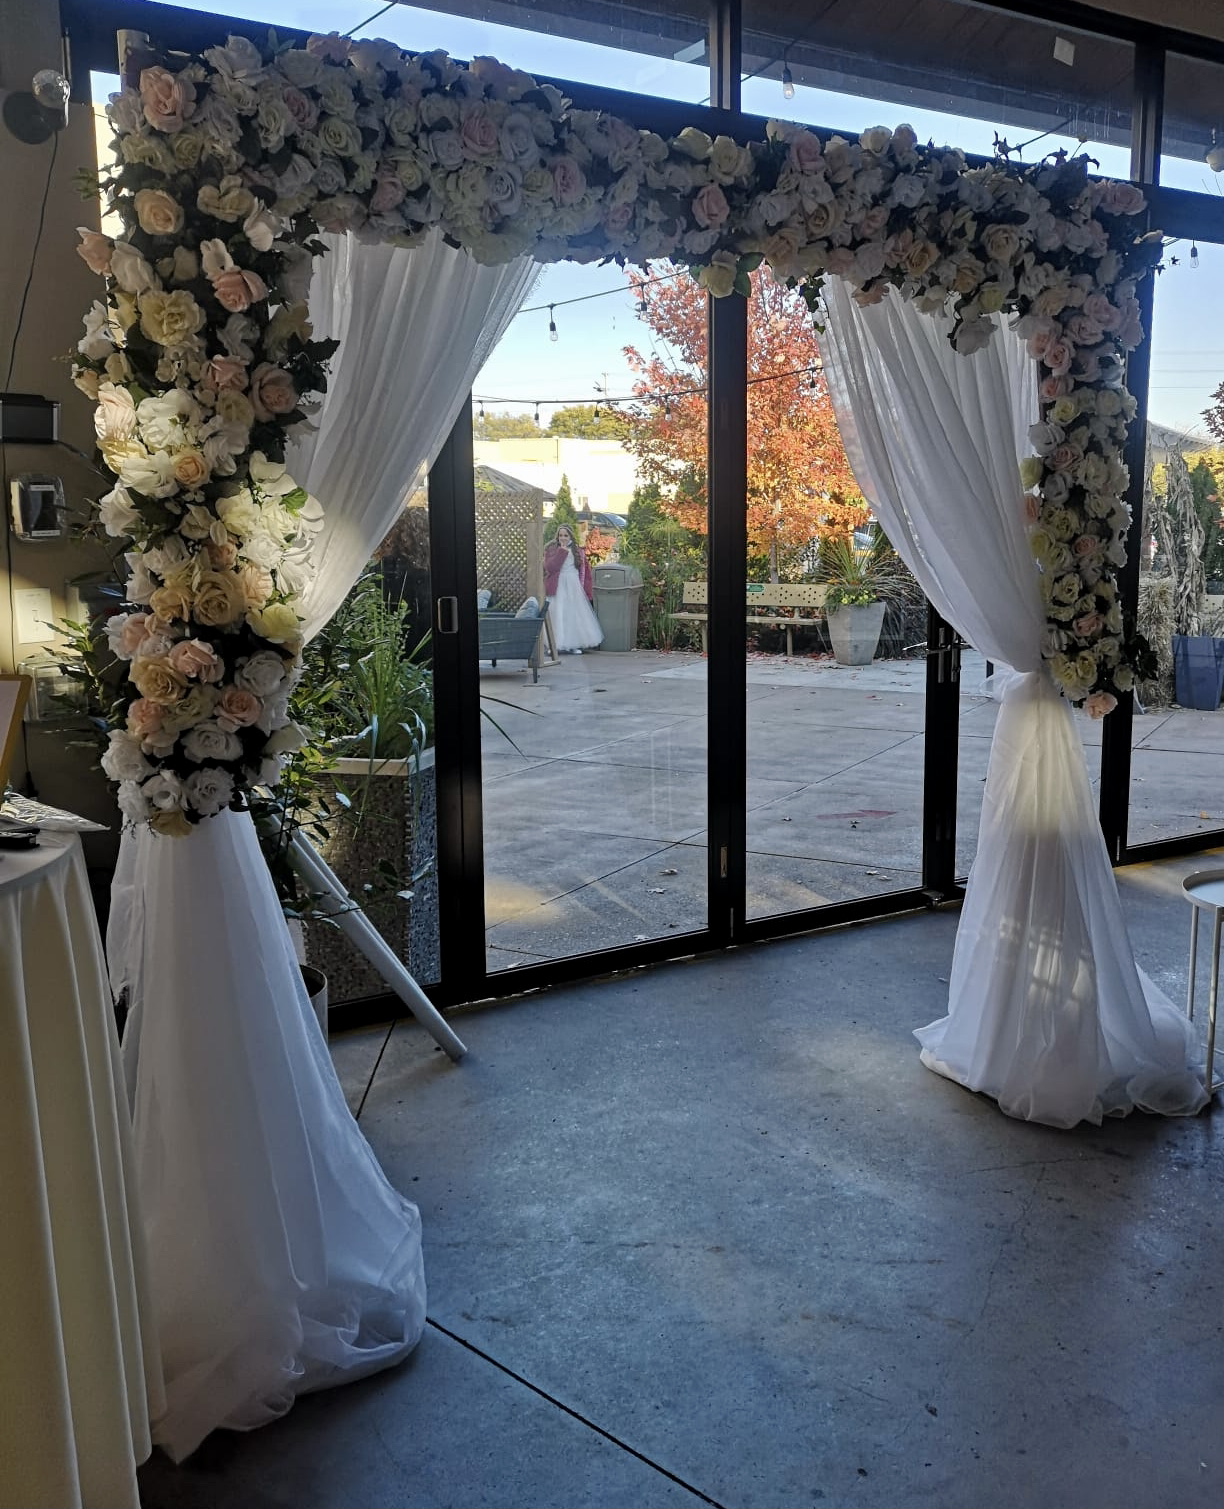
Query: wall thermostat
[38,507]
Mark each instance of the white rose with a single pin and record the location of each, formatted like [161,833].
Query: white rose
[152,475]
[209,790]
[122,760]
[118,514]
[261,673]
[99,340]
[130,270]
[163,791]
[209,741]
[165,418]
[238,59]
[287,740]
[875,139]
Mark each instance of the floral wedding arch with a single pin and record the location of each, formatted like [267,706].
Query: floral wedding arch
[201,357]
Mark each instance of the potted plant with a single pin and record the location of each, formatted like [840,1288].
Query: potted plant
[861,580]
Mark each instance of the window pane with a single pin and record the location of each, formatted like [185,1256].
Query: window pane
[650,47]
[1179,739]
[836,700]
[958,72]
[1193,124]
[593,757]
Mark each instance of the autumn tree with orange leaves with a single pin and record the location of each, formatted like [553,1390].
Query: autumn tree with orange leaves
[800,486]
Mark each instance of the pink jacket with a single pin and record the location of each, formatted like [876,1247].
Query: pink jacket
[554,559]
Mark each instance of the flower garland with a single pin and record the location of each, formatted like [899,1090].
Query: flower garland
[201,354]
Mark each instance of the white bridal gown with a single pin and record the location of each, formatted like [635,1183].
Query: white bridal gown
[282,1260]
[575,626]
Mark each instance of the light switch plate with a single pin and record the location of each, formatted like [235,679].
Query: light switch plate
[32,613]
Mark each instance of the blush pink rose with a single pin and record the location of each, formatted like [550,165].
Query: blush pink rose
[272,391]
[301,107]
[1032,508]
[1100,703]
[222,556]
[237,709]
[479,134]
[237,290]
[1087,544]
[144,717]
[225,372]
[196,660]
[388,192]
[135,631]
[569,181]
[710,207]
[94,250]
[806,152]
[1122,199]
[1063,457]
[1089,625]
[1058,356]
[168,99]
[1054,387]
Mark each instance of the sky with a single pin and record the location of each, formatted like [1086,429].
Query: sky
[587,357]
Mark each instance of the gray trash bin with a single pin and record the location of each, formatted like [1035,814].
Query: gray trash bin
[618,590]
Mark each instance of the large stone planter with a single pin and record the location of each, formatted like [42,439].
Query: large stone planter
[854,632]
[398,824]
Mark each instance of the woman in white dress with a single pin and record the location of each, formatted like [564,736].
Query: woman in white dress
[569,588]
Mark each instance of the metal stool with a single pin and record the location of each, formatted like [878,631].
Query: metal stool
[1204,890]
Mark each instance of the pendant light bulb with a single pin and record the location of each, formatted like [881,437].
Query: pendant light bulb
[552,324]
[537,416]
[1215,154]
[1194,256]
[788,83]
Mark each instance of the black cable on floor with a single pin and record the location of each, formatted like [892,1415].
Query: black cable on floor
[574,1415]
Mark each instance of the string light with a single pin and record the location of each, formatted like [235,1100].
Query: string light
[537,415]
[552,324]
[1194,255]
[788,83]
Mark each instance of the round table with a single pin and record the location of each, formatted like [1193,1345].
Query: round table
[1204,890]
[77,1377]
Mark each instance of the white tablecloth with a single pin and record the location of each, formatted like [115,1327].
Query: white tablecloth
[74,1403]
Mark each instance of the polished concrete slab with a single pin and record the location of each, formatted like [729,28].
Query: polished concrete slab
[709,1233]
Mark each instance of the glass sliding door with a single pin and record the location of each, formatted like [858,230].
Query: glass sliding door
[590,531]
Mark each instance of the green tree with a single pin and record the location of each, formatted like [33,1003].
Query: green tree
[505,426]
[563,510]
[1207,505]
[667,554]
[587,421]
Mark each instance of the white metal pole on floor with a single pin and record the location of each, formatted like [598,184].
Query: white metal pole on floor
[362,933]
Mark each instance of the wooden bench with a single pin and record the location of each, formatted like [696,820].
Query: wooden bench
[505,637]
[797,596]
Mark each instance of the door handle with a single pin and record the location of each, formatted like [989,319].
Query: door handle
[448,615]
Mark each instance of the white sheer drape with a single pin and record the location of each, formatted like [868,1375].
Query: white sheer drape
[1047,1012]
[415,327]
[281,1258]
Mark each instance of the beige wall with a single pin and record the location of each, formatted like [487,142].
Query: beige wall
[61,291]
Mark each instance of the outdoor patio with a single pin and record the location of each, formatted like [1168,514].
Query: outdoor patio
[595,823]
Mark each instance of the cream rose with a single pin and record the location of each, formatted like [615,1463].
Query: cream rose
[209,741]
[194,706]
[130,270]
[156,679]
[170,319]
[158,213]
[171,604]
[171,822]
[190,469]
[277,623]
[219,600]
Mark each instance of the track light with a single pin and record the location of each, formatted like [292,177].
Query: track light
[788,83]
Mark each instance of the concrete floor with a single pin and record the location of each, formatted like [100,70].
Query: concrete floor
[595,815]
[710,1234]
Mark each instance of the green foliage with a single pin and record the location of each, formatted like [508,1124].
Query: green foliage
[563,510]
[859,575]
[580,421]
[1207,504]
[505,426]
[668,555]
[364,693]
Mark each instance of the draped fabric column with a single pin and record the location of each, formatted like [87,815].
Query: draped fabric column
[281,1259]
[1047,1012]
[415,327]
